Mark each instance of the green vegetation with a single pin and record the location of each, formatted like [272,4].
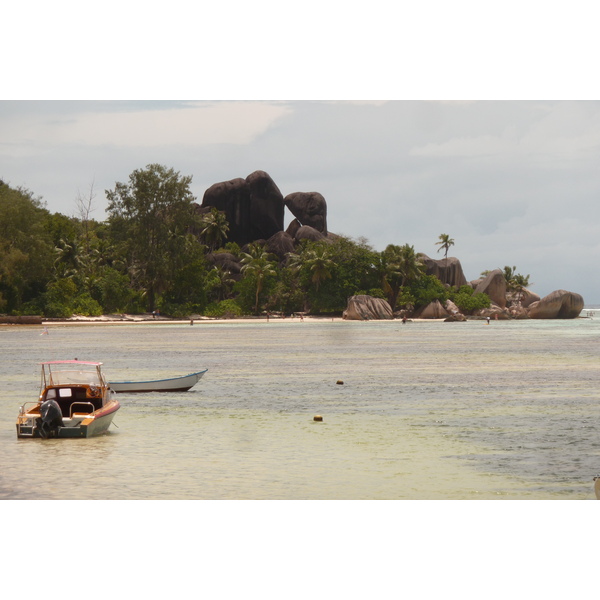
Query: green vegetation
[154,252]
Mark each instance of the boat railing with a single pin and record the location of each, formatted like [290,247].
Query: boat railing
[23,410]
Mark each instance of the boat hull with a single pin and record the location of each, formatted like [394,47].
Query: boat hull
[94,424]
[173,384]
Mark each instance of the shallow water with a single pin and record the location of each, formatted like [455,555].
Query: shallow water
[428,410]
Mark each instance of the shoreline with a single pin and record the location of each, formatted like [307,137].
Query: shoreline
[127,319]
[144,320]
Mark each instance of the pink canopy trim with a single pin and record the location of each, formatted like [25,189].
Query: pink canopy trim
[70,362]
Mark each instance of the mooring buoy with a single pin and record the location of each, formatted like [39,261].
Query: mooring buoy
[317,418]
[339,382]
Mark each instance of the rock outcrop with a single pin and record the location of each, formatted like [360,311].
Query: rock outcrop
[226,262]
[494,285]
[309,208]
[367,308]
[309,233]
[524,298]
[253,206]
[447,270]
[280,244]
[494,312]
[451,308]
[559,304]
[434,310]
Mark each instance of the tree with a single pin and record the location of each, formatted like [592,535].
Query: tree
[509,276]
[219,283]
[444,244]
[25,247]
[400,266]
[354,268]
[467,300]
[520,282]
[515,282]
[214,228]
[257,263]
[318,262]
[149,218]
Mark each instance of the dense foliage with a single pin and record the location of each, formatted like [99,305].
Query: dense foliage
[154,253]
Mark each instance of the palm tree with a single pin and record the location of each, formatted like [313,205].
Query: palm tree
[257,262]
[515,282]
[319,264]
[509,276]
[214,228]
[221,281]
[444,244]
[520,283]
[401,265]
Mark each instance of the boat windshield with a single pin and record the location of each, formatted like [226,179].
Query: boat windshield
[69,374]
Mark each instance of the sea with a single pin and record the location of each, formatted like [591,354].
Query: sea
[418,411]
[421,410]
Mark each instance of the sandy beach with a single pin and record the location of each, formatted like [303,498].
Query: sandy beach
[126,319]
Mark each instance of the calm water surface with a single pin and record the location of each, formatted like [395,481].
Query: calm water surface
[432,410]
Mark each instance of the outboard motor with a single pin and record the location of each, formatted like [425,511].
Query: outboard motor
[51,419]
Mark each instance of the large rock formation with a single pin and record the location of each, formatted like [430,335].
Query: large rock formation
[309,233]
[267,207]
[448,271]
[226,262]
[434,310]
[559,304]
[494,285]
[253,206]
[280,244]
[525,297]
[309,208]
[367,308]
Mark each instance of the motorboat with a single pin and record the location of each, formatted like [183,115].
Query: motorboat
[75,401]
[172,384]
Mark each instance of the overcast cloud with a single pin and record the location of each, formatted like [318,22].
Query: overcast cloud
[512,182]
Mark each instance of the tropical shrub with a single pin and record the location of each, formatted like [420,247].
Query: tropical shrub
[85,305]
[225,309]
[468,301]
[426,290]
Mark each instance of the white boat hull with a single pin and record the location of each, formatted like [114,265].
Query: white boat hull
[173,384]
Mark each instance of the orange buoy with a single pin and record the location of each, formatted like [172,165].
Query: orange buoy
[317,418]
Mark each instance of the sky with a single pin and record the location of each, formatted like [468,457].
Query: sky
[512,182]
[412,119]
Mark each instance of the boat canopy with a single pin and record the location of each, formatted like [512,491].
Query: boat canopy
[72,372]
[71,362]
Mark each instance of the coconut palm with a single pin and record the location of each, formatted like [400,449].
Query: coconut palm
[515,282]
[444,244]
[221,281]
[401,265]
[214,228]
[509,276]
[257,262]
[520,282]
[319,264]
